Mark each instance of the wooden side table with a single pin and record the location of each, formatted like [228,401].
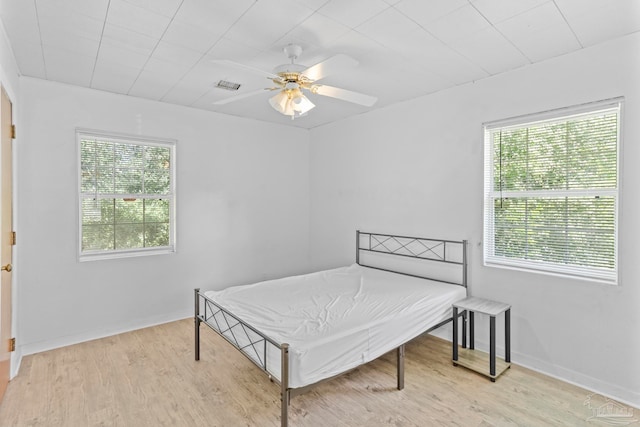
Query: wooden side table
[477,361]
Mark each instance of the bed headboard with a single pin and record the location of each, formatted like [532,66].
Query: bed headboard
[446,259]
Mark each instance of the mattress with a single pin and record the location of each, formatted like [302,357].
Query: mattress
[333,320]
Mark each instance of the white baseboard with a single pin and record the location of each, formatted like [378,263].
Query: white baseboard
[594,385]
[16,360]
[40,346]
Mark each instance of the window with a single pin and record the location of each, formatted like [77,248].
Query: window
[551,192]
[127,196]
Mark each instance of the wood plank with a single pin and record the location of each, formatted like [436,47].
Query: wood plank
[478,361]
[149,378]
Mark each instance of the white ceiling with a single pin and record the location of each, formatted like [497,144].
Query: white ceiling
[162,49]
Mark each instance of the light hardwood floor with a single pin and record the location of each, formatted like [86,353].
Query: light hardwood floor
[149,378]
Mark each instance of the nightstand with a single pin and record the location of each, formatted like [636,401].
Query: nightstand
[476,360]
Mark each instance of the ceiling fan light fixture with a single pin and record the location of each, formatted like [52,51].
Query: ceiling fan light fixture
[279,102]
[302,104]
[291,103]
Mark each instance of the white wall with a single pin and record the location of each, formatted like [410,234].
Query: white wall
[242,210]
[416,168]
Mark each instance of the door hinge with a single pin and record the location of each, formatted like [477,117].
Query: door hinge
[12,344]
[13,131]
[13,238]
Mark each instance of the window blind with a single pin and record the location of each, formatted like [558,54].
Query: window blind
[551,193]
[126,195]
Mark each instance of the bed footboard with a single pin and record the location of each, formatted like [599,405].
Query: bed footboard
[253,344]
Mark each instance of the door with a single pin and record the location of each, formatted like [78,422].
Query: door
[6,238]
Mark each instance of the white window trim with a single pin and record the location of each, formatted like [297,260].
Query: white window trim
[547,268]
[127,139]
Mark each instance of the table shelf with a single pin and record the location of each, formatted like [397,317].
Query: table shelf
[481,362]
[478,361]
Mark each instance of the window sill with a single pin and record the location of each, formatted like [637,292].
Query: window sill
[101,255]
[548,272]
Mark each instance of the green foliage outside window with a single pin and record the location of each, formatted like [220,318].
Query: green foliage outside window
[553,192]
[126,195]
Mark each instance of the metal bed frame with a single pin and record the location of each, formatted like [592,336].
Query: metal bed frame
[253,344]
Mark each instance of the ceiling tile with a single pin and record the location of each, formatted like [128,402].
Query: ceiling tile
[391,72]
[313,4]
[67,67]
[318,30]
[71,25]
[192,36]
[175,54]
[137,19]
[394,30]
[458,24]
[116,53]
[402,35]
[233,51]
[354,12]
[112,77]
[53,20]
[548,43]
[540,33]
[200,73]
[172,72]
[151,85]
[128,40]
[425,12]
[185,93]
[96,9]
[489,50]
[357,45]
[70,43]
[527,24]
[449,64]
[162,7]
[601,20]
[20,22]
[499,10]
[267,21]
[30,60]
[217,16]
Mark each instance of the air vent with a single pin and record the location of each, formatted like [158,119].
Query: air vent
[223,84]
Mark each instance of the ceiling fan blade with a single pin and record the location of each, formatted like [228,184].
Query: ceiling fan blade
[345,95]
[242,96]
[335,64]
[246,67]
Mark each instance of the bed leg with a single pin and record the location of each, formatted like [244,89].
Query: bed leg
[454,339]
[401,367]
[285,393]
[464,328]
[197,321]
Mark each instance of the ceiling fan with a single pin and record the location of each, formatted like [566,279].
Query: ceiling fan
[291,80]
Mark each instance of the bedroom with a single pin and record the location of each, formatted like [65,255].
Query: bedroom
[258,200]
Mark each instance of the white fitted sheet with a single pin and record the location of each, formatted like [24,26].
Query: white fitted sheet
[336,320]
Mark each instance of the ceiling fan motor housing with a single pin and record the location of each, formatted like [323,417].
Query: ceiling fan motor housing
[293,51]
[289,69]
